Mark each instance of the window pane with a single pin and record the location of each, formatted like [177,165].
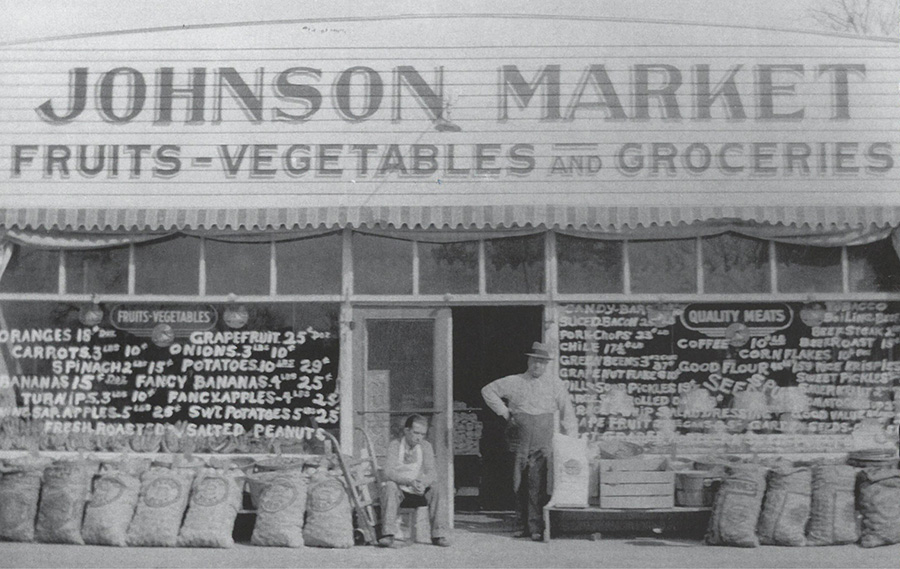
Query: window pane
[802,268]
[663,266]
[405,349]
[241,268]
[588,265]
[31,270]
[98,271]
[309,266]
[168,267]
[874,267]
[515,264]
[381,265]
[732,263]
[399,375]
[448,267]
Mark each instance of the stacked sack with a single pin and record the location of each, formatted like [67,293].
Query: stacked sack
[165,490]
[65,489]
[797,504]
[279,496]
[178,501]
[297,505]
[786,508]
[329,521]
[20,490]
[737,506]
[114,497]
[878,496]
[833,505]
[216,498]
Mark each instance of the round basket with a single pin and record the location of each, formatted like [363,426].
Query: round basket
[281,463]
[619,449]
[243,463]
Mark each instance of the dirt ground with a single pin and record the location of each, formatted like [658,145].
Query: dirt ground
[478,541]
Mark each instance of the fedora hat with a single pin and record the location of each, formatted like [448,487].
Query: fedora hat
[539,350]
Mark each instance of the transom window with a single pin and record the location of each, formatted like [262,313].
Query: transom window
[381,265]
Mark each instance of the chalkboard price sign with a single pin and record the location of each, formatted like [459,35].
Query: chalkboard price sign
[784,376]
[275,377]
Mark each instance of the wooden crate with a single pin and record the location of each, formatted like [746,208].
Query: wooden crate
[657,462]
[622,488]
[636,502]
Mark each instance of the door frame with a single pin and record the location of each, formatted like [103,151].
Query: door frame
[441,415]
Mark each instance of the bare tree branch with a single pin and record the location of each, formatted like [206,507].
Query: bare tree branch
[862,17]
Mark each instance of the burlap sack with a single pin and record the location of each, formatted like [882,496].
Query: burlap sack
[879,505]
[65,489]
[832,517]
[571,472]
[20,488]
[216,497]
[111,507]
[785,510]
[280,500]
[738,504]
[329,521]
[160,509]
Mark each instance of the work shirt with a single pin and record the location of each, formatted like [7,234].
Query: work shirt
[410,464]
[397,467]
[531,396]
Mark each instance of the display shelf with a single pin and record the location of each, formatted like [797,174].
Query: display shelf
[593,520]
[111,455]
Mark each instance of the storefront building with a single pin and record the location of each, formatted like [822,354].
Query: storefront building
[240,233]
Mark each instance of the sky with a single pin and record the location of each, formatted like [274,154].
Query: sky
[45,18]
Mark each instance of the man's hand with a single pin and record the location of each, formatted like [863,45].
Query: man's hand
[418,486]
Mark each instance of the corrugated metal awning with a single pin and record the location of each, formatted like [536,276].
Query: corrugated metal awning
[448,217]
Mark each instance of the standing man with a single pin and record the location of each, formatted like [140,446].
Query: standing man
[532,398]
[411,475]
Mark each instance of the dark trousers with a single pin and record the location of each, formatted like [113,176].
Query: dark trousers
[531,492]
[530,437]
[393,497]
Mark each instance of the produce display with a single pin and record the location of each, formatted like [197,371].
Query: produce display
[329,522]
[175,500]
[111,507]
[832,519]
[280,500]
[65,487]
[216,498]
[467,430]
[778,502]
[785,511]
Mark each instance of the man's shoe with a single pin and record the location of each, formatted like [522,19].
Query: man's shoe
[441,542]
[537,537]
[387,541]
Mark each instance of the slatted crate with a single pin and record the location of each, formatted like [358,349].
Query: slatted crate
[636,483]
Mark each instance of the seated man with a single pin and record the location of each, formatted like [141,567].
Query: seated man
[411,475]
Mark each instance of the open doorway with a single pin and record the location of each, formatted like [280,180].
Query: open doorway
[488,342]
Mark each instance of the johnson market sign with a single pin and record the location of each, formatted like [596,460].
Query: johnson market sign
[295,95]
[611,109]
